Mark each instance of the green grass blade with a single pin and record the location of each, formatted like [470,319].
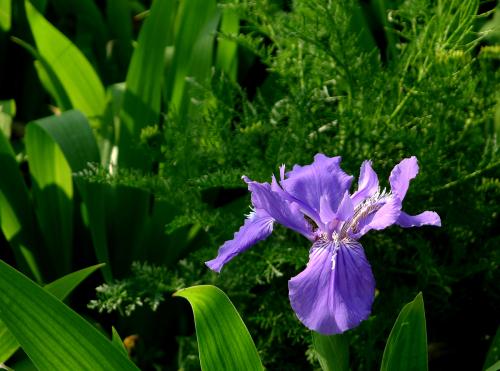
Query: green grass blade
[223,340]
[17,216]
[75,73]
[53,336]
[141,105]
[53,194]
[332,351]
[406,348]
[60,288]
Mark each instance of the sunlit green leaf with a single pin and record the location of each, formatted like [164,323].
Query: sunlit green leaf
[74,72]
[60,288]
[406,348]
[51,334]
[223,340]
[47,76]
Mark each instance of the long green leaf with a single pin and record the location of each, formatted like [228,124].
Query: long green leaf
[223,340]
[75,73]
[406,348]
[60,288]
[53,336]
[17,216]
[53,193]
[332,351]
[141,105]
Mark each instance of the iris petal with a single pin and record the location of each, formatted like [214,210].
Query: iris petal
[322,180]
[401,175]
[336,290]
[367,184]
[282,211]
[384,217]
[425,218]
[256,228]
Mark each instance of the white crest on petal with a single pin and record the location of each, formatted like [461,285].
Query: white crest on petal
[363,209]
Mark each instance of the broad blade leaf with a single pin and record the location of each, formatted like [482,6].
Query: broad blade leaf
[223,340]
[74,72]
[53,336]
[60,288]
[406,348]
[332,351]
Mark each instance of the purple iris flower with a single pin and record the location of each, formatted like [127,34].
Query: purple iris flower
[335,291]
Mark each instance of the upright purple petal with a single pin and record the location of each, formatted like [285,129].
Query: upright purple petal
[322,180]
[425,218]
[282,211]
[336,290]
[401,175]
[256,228]
[367,184]
[346,208]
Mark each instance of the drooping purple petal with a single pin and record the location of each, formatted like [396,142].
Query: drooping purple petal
[425,218]
[256,228]
[384,217]
[323,179]
[401,175]
[367,184]
[336,290]
[286,213]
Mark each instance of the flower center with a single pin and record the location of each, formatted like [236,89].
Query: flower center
[362,211]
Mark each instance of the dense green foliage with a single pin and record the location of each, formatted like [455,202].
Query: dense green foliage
[215,92]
